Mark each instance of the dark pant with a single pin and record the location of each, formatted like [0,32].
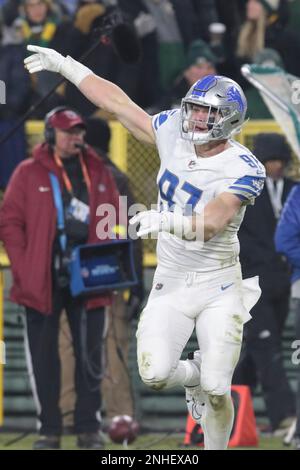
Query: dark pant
[295,305]
[261,358]
[42,334]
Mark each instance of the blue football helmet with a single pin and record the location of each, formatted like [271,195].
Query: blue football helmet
[226,109]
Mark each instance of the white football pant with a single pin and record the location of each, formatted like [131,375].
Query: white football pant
[216,304]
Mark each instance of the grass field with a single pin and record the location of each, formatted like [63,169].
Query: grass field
[144,442]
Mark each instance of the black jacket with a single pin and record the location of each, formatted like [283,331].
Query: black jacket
[257,251]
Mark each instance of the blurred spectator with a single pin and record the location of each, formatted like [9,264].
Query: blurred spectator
[231,14]
[116,387]
[257,108]
[175,23]
[148,80]
[166,28]
[261,359]
[216,40]
[39,259]
[104,60]
[17,90]
[200,61]
[10,11]
[41,25]
[287,243]
[206,14]
[266,26]
[68,7]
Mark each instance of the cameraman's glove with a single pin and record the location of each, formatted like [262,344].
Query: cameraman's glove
[144,24]
[51,60]
[154,222]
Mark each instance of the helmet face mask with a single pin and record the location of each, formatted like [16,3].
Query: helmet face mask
[223,104]
[194,128]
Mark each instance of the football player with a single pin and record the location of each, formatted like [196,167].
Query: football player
[205,181]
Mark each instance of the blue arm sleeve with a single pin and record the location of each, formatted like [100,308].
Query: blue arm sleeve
[247,188]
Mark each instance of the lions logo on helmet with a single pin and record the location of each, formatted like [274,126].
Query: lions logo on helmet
[225,104]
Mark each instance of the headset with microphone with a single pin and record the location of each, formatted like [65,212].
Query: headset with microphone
[60,118]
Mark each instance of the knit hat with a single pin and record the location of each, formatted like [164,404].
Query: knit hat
[270,5]
[198,52]
[271,146]
[268,58]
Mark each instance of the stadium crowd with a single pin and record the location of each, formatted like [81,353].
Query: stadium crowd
[166,46]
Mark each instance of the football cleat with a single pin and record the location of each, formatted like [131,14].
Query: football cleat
[195,402]
[194,396]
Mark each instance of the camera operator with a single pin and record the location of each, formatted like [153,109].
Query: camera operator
[32,237]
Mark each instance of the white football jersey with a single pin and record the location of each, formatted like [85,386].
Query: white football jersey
[185,179]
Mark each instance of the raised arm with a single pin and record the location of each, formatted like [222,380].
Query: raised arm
[112,98]
[99,91]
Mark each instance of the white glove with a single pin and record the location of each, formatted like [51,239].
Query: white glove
[51,60]
[144,24]
[154,222]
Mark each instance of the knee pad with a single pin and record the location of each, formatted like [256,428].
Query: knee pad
[155,383]
[217,401]
[154,363]
[215,383]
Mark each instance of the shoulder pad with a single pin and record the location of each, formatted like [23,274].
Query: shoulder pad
[159,119]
